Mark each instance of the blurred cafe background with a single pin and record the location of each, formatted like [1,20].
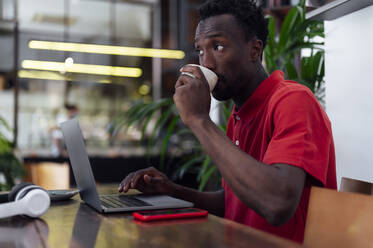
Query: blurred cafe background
[90,59]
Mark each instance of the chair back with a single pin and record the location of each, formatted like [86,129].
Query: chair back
[339,219]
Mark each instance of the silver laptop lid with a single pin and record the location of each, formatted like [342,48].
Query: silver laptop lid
[80,163]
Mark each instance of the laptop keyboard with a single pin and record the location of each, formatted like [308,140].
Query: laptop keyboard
[120,201]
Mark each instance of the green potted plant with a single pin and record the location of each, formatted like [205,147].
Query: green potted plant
[10,166]
[281,51]
[167,129]
[284,48]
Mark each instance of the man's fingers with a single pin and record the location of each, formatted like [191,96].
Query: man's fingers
[120,187]
[194,70]
[122,184]
[179,83]
[188,74]
[132,180]
[136,178]
[127,182]
[147,179]
[184,79]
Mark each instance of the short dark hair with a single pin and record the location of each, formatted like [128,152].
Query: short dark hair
[248,14]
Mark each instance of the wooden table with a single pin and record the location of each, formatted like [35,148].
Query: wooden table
[74,224]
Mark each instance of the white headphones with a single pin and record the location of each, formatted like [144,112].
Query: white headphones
[25,199]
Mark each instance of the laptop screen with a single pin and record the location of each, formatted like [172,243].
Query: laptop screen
[80,162]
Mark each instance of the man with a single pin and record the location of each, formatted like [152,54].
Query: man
[278,142]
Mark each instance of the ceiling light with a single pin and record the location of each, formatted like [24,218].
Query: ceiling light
[48,75]
[82,68]
[105,49]
[69,62]
[41,75]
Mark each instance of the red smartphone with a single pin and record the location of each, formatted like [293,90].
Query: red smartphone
[169,214]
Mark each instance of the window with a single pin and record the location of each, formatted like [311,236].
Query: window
[56,84]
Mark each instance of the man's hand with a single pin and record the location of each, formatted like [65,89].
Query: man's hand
[148,181]
[152,181]
[192,95]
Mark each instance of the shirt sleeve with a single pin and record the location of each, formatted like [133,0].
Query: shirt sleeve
[301,135]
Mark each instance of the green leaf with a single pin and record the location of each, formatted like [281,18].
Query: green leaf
[141,112]
[227,109]
[271,36]
[159,124]
[185,167]
[11,168]
[5,143]
[147,113]
[305,67]
[184,131]
[145,125]
[204,167]
[5,124]
[170,129]
[321,71]
[290,20]
[206,177]
[291,71]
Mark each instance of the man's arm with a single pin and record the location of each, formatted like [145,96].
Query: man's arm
[211,201]
[273,191]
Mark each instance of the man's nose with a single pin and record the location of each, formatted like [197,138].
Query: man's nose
[208,61]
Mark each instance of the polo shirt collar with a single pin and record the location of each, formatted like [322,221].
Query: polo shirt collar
[259,95]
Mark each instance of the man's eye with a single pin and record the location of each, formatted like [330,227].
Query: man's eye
[199,52]
[219,48]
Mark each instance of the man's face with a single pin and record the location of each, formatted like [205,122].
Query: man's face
[222,47]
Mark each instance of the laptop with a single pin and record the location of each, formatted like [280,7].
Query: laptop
[87,187]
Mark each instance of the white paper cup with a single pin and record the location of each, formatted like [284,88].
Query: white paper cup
[210,76]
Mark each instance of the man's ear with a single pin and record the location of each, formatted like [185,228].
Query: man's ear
[256,50]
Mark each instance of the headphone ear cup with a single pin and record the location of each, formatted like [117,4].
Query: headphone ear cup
[13,193]
[35,201]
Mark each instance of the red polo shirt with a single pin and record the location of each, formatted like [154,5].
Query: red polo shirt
[282,122]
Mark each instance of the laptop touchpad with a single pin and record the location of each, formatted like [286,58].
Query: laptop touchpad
[158,200]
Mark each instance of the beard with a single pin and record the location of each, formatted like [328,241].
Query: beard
[223,90]
[221,96]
